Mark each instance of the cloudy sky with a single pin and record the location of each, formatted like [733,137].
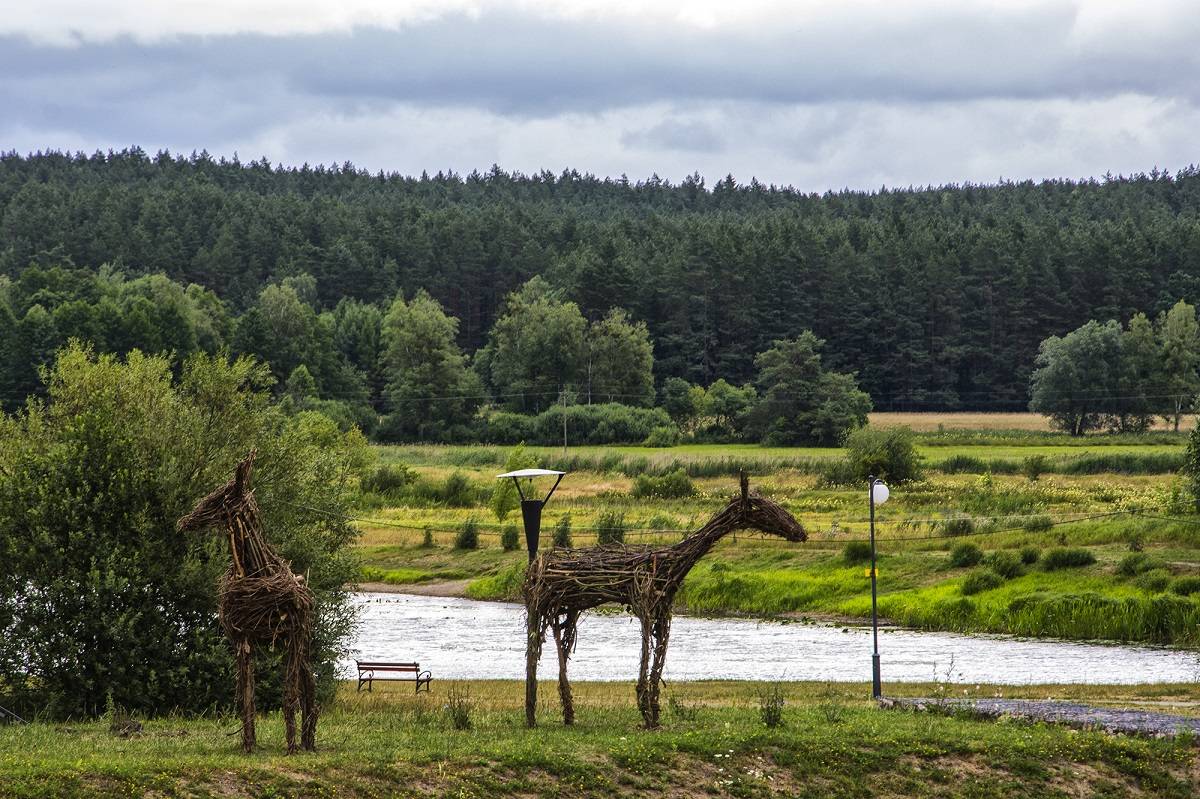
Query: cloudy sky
[813,93]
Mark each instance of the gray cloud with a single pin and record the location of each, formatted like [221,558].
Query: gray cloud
[1014,90]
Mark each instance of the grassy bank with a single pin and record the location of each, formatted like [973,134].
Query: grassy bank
[714,743]
[1019,497]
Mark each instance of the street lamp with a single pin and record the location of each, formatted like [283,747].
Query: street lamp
[877,495]
[531,508]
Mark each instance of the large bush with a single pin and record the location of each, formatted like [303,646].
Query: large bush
[886,452]
[100,597]
[672,485]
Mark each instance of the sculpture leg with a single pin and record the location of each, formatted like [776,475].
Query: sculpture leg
[564,641]
[662,632]
[308,702]
[533,650]
[291,694]
[643,683]
[245,692]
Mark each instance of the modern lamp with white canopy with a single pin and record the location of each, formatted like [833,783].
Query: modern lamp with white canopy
[531,508]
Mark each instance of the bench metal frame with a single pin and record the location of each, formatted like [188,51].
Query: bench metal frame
[367,677]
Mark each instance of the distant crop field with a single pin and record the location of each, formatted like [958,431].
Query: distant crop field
[968,420]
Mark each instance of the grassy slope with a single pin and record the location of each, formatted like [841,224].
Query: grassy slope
[834,743]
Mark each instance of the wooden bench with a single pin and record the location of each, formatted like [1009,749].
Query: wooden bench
[367,670]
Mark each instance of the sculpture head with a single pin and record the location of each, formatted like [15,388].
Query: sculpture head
[756,512]
[214,509]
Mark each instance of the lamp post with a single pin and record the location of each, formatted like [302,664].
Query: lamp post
[531,507]
[877,494]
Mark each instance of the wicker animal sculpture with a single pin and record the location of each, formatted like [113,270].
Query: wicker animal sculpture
[562,583]
[259,602]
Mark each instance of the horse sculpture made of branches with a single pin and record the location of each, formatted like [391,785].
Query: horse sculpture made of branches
[260,601]
[562,583]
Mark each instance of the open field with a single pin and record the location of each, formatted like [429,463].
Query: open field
[973,420]
[1109,495]
[833,742]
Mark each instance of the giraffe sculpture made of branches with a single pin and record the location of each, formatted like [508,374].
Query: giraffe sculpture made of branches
[259,602]
[562,583]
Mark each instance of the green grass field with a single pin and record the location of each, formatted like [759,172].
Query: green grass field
[833,742]
[973,492]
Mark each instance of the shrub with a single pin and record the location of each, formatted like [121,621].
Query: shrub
[1185,586]
[1030,555]
[1135,540]
[1155,581]
[1136,563]
[856,551]
[1006,564]
[770,705]
[662,436]
[956,524]
[387,479]
[510,538]
[965,554]
[673,485]
[981,580]
[1033,466]
[1067,558]
[457,491]
[115,450]
[887,453]
[1038,523]
[562,532]
[468,535]
[610,528]
[427,539]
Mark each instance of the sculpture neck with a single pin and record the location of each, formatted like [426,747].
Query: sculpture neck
[690,550]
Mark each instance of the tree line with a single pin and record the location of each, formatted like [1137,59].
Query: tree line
[936,297]
[396,370]
[1103,375]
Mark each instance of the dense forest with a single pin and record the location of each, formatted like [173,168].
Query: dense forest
[936,297]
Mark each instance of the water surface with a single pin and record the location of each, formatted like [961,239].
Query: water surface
[465,639]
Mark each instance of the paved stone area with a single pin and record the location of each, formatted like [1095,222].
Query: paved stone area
[1073,714]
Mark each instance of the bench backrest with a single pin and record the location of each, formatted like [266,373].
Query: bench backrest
[364,664]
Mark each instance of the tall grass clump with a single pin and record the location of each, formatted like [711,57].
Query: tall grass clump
[467,536]
[856,552]
[562,532]
[1038,523]
[770,705]
[962,464]
[1123,463]
[981,580]
[1136,563]
[1030,555]
[1154,581]
[610,528]
[1185,586]
[957,524]
[1067,558]
[1006,564]
[459,707]
[674,485]
[965,555]
[1161,619]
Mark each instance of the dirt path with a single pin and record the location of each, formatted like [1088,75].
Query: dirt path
[1072,714]
[447,588]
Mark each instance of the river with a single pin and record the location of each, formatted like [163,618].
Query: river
[466,639]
